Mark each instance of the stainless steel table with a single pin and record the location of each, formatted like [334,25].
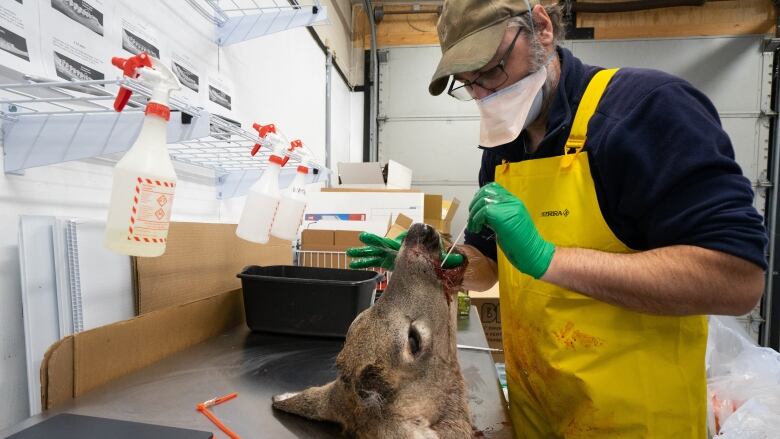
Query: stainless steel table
[258,366]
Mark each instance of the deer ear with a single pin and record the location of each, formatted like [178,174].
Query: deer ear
[319,403]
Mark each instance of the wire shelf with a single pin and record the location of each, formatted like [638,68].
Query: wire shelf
[44,97]
[241,20]
[227,149]
[49,122]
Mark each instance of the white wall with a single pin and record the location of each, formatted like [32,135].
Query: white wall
[278,78]
[356,127]
[338,35]
[341,129]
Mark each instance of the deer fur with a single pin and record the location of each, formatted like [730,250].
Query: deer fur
[399,375]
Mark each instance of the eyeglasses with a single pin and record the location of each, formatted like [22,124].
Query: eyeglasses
[490,79]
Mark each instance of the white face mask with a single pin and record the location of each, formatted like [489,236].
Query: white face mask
[507,112]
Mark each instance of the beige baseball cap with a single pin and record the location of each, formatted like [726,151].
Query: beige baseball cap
[470,32]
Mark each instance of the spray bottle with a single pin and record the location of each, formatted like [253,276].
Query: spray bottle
[144,180]
[293,203]
[263,198]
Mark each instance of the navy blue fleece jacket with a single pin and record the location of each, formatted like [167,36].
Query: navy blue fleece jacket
[663,166]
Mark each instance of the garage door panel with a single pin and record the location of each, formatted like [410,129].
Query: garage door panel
[434,150]
[744,137]
[728,70]
[404,87]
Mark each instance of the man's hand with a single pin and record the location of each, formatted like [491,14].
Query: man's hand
[494,207]
[381,252]
[481,273]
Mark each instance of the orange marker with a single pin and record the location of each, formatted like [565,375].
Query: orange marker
[203,408]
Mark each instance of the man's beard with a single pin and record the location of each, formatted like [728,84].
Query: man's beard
[539,59]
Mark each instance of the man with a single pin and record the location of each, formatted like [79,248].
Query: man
[614,216]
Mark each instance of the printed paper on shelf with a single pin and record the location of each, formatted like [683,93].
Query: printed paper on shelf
[137,35]
[72,39]
[220,95]
[19,42]
[190,77]
[151,212]
[88,14]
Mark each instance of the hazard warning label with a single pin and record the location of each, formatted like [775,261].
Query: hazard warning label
[151,213]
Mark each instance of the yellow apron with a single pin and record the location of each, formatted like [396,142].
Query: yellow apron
[577,367]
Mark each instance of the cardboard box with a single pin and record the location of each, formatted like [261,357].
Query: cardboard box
[489,310]
[369,175]
[398,176]
[375,227]
[201,259]
[437,211]
[352,206]
[361,174]
[329,240]
[401,224]
[83,361]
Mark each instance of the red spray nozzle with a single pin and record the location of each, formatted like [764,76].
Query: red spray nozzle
[281,161]
[263,131]
[297,143]
[129,67]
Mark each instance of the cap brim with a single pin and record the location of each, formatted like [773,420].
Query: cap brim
[469,54]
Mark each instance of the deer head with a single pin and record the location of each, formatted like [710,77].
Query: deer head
[398,371]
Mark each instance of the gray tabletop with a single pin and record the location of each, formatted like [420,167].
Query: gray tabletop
[258,366]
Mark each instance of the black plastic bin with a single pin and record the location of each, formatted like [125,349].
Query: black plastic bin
[305,300]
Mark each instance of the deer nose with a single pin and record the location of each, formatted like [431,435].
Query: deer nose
[424,235]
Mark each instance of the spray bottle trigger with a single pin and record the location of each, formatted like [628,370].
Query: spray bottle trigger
[297,143]
[263,130]
[128,67]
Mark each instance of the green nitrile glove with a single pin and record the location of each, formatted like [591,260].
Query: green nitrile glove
[516,234]
[453,260]
[381,252]
[378,252]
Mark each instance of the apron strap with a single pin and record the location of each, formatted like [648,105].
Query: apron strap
[579,128]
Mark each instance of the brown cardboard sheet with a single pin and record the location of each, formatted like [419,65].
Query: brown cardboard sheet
[201,259]
[84,361]
[489,310]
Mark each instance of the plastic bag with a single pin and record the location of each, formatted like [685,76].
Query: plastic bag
[743,384]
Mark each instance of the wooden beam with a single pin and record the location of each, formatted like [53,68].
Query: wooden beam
[407,30]
[714,18]
[397,29]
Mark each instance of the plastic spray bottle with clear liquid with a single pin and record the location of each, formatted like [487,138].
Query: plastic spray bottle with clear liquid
[144,179]
[289,215]
[263,198]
